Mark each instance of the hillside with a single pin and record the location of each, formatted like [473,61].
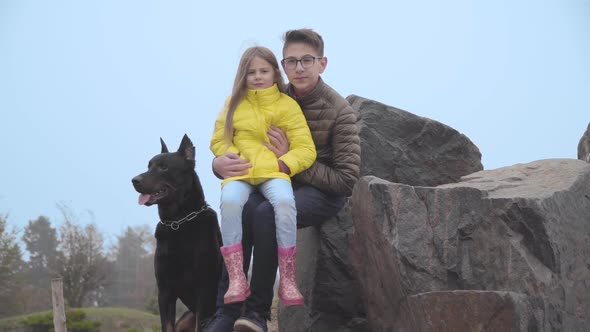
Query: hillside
[111,319]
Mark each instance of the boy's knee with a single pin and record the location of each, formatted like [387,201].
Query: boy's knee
[264,213]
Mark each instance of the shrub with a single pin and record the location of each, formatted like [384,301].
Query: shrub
[75,315]
[40,322]
[84,326]
[76,322]
[151,303]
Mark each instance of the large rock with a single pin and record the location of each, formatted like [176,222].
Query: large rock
[325,277]
[429,242]
[523,229]
[471,311]
[398,146]
[402,147]
[584,146]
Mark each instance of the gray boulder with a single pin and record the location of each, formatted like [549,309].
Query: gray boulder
[584,146]
[402,147]
[326,278]
[430,242]
[398,146]
[519,233]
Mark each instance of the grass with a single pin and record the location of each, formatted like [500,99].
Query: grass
[111,319]
[12,323]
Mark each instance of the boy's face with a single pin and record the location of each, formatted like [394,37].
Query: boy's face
[303,79]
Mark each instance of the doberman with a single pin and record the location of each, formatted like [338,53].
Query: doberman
[187,259]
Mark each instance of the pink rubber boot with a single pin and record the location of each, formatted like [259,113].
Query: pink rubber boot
[288,292]
[238,289]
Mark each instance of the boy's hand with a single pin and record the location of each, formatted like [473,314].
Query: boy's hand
[278,141]
[231,164]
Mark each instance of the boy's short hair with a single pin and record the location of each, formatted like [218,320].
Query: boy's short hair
[305,36]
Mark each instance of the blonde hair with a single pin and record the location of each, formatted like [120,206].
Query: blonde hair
[240,88]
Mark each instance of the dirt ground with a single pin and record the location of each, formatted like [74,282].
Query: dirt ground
[273,325]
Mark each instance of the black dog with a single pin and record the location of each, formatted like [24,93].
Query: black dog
[187,260]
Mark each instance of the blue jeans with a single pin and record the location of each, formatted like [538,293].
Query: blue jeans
[258,226]
[278,192]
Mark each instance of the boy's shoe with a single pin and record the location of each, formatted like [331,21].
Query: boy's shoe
[220,322]
[252,322]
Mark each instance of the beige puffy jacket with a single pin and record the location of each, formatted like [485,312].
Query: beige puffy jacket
[333,126]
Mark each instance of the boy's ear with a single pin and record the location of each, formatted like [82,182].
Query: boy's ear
[323,64]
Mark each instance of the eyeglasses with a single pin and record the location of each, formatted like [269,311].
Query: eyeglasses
[306,62]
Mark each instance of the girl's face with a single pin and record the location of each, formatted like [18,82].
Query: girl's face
[260,74]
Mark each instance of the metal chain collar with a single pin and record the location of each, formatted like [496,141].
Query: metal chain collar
[176,224]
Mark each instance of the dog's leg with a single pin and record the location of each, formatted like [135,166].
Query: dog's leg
[167,306]
[206,302]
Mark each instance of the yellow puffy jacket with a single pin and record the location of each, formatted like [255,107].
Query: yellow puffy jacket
[254,115]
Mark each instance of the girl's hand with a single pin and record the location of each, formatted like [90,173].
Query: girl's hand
[278,141]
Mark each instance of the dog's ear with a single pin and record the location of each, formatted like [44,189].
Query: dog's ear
[186,148]
[164,147]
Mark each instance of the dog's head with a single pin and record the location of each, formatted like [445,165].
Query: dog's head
[169,174]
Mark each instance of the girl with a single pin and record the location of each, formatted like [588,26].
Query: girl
[258,103]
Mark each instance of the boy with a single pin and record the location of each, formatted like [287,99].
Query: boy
[320,191]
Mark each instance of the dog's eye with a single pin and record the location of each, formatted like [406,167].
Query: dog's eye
[163,167]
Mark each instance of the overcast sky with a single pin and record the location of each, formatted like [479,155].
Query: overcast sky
[87,88]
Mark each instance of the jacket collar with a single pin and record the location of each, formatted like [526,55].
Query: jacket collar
[264,96]
[313,95]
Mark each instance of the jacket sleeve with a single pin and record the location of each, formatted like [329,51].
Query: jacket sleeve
[340,177]
[302,152]
[218,143]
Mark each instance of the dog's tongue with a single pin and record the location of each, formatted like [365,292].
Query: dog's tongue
[143,198]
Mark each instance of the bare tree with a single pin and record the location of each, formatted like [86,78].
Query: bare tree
[82,262]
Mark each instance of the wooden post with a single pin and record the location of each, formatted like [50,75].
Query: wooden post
[59,314]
